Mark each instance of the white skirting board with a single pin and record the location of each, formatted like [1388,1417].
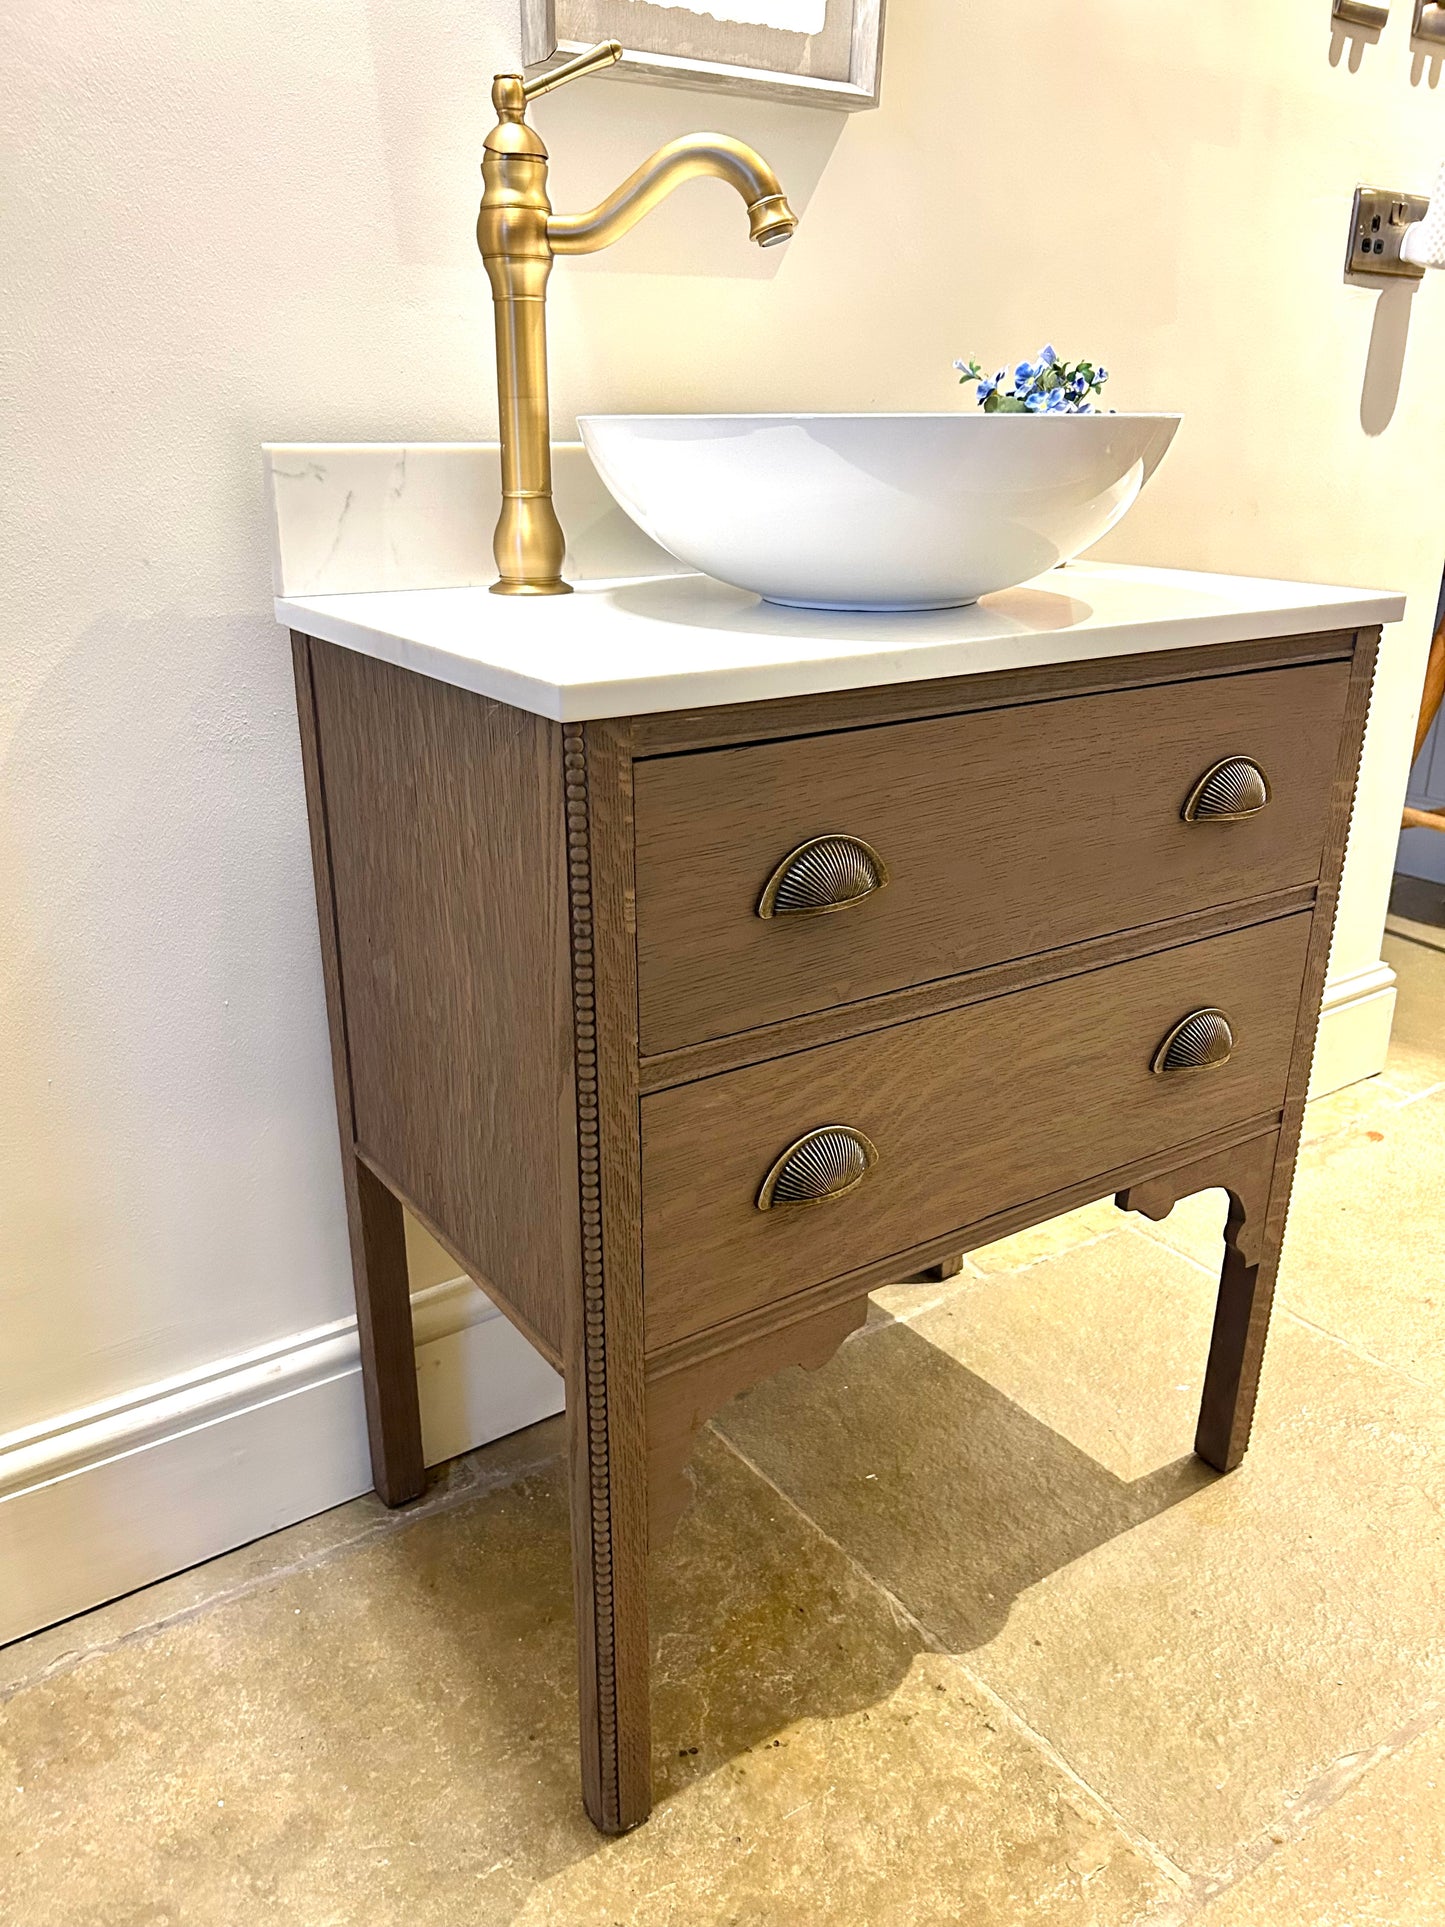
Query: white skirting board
[102,1500]
[1354,1033]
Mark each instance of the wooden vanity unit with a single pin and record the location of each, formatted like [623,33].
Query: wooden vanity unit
[683,1030]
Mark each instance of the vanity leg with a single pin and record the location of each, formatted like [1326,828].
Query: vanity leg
[1258,1195]
[1236,1348]
[604,1340]
[388,1350]
[949,1267]
[608,1470]
[373,1216]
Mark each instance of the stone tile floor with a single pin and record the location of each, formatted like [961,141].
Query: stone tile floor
[956,1629]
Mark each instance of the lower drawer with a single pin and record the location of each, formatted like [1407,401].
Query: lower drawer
[971,1112]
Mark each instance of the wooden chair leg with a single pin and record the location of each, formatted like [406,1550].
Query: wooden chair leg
[388,1353]
[1247,1172]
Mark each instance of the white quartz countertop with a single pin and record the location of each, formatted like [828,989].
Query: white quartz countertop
[648,643]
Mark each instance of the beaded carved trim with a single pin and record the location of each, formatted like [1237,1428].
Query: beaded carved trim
[584,1019]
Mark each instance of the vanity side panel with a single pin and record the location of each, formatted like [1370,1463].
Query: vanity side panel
[444,812]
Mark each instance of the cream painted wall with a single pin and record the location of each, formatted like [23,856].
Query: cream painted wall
[228,221]
[1171,195]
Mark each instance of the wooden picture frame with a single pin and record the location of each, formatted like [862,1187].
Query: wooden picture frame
[546,41]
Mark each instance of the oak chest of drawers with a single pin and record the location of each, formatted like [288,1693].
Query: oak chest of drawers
[684,1031]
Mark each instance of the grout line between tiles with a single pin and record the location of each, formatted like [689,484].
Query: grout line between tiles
[1316,1799]
[1413,1097]
[1355,1351]
[1184,1883]
[1195,1892]
[447,1496]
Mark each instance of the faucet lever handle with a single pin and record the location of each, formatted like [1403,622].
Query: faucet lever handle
[602,55]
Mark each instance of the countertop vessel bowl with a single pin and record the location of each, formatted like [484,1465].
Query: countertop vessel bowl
[876,512]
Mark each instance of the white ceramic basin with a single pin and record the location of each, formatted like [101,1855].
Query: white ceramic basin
[875,511]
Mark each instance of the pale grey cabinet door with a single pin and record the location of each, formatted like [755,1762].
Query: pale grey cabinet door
[1422,852]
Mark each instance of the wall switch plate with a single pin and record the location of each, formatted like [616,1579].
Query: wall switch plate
[1377,227]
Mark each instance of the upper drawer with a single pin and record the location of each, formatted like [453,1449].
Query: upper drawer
[1004,833]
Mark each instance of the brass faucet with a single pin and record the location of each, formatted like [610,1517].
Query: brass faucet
[518,235]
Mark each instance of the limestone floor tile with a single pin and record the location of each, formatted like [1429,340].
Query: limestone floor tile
[1194,1228]
[910,1298]
[1047,1240]
[960,1493]
[389,1736]
[1375,1858]
[1354,1107]
[920,1809]
[259,1563]
[1364,1256]
[1131,1400]
[1416,1057]
[1199,1649]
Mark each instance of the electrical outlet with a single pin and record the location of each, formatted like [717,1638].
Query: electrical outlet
[1377,227]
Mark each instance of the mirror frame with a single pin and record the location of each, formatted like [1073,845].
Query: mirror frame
[541,47]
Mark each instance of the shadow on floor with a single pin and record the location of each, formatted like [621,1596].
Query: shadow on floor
[942,1488]
[457,1646]
[422,1688]
[968,1500]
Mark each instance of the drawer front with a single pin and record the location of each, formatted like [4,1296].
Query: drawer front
[1003,834]
[971,1112]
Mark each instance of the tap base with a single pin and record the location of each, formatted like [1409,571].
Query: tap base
[555,587]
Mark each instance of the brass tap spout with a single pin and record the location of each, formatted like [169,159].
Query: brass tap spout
[719,156]
[518,234]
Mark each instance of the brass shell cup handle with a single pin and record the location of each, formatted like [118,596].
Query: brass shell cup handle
[1228,791]
[824,874]
[826,1164]
[1202,1041]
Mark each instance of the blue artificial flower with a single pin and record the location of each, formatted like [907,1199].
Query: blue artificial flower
[1047,355]
[1058,401]
[1024,374]
[1101,375]
[1035,401]
[961,366]
[986,388]
[1000,378]
[1079,385]
[1084,408]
